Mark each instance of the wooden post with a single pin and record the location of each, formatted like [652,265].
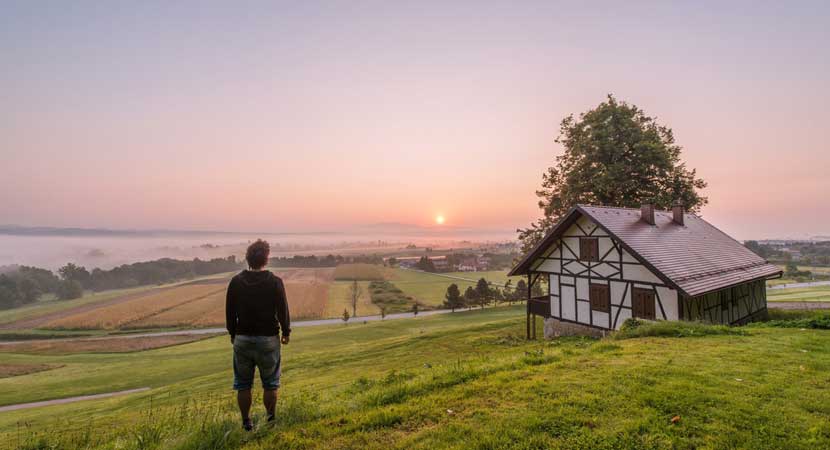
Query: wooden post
[529,315]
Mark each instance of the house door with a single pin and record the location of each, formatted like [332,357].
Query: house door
[642,304]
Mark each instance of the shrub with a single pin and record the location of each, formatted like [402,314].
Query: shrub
[817,322]
[70,289]
[633,328]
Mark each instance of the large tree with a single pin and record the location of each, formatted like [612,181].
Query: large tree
[453,298]
[614,155]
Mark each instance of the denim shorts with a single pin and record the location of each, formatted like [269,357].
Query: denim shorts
[262,352]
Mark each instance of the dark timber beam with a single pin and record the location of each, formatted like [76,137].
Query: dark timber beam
[527,305]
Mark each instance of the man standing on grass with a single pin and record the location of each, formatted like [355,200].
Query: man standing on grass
[255,311]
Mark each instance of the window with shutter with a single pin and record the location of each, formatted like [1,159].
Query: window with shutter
[589,249]
[642,304]
[600,296]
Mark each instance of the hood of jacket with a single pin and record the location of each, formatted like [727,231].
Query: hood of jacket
[253,277]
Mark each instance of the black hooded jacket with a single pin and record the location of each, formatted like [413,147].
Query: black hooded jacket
[256,305]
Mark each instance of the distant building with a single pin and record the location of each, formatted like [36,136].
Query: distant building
[604,265]
[469,264]
[408,262]
[440,263]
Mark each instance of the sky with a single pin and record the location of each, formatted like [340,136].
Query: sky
[287,116]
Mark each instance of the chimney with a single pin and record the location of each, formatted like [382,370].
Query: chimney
[647,213]
[677,213]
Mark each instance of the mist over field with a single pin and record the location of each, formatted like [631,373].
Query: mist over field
[51,248]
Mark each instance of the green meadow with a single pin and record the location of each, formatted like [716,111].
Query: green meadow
[430,288]
[808,294]
[464,380]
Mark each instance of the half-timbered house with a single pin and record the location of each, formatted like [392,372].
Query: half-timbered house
[604,265]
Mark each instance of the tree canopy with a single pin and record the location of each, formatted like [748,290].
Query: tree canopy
[453,298]
[615,155]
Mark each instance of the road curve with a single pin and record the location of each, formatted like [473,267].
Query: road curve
[60,401]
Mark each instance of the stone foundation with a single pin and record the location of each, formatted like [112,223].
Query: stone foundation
[555,328]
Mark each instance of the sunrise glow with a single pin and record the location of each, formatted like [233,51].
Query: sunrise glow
[439,219]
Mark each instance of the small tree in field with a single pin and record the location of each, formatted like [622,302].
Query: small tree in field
[382,312]
[355,292]
[415,309]
[498,296]
[521,290]
[453,298]
[345,316]
[483,292]
[470,297]
[508,291]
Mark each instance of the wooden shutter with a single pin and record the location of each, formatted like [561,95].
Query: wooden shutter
[642,304]
[589,249]
[600,296]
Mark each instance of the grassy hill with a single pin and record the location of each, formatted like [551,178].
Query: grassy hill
[466,380]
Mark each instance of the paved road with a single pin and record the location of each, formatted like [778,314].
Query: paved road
[799,285]
[61,401]
[799,305]
[200,331]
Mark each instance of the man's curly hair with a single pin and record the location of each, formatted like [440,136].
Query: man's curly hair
[257,254]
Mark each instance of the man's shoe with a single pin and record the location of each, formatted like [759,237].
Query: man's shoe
[247,425]
[272,417]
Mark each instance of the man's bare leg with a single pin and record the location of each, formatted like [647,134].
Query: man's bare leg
[244,400]
[269,398]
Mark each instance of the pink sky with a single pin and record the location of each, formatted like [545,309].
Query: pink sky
[315,118]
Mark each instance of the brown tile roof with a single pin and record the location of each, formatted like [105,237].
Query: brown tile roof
[695,258]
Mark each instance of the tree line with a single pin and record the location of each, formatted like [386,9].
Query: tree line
[484,294]
[811,253]
[322,261]
[26,284]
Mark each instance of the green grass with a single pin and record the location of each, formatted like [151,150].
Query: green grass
[429,288]
[633,328]
[808,294]
[466,380]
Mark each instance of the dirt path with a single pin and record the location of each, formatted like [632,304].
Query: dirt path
[35,322]
[61,401]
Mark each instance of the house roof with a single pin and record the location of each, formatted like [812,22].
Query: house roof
[694,258]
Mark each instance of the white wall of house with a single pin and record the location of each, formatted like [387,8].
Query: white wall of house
[570,278]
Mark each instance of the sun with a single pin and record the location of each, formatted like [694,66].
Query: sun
[439,219]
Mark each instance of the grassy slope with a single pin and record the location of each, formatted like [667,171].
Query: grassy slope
[460,381]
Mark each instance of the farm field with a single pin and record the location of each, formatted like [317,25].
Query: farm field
[339,299]
[40,314]
[808,294]
[360,272]
[464,380]
[430,288]
[98,345]
[126,314]
[53,307]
